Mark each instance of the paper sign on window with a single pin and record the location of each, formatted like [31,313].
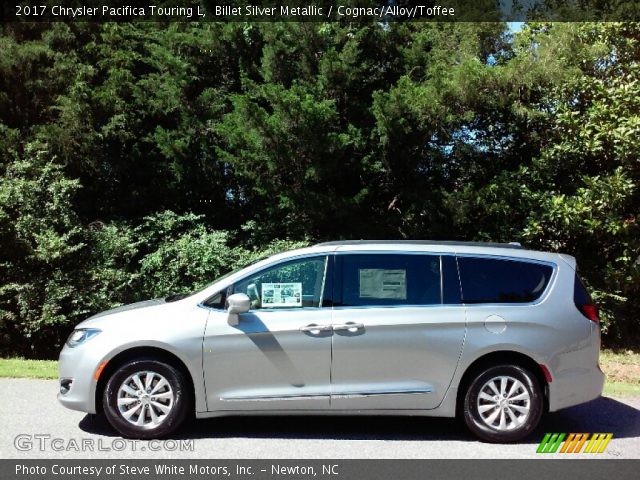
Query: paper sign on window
[281,295]
[381,283]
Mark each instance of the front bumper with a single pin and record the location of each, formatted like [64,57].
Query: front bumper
[78,366]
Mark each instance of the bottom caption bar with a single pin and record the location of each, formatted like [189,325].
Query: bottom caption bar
[317,469]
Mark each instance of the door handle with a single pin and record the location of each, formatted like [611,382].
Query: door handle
[352,327]
[315,329]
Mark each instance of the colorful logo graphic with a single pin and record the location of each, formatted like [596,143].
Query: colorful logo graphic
[574,443]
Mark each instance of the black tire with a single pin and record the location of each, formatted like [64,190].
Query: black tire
[178,386]
[487,430]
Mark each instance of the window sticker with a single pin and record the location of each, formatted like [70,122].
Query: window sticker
[281,295]
[382,283]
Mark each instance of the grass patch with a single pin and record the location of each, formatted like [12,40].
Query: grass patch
[627,357]
[621,389]
[622,369]
[21,368]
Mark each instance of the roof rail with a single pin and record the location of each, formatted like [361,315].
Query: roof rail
[423,242]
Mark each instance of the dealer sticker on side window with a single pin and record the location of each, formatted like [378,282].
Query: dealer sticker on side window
[281,295]
[382,283]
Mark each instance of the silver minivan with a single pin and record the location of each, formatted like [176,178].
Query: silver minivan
[492,333]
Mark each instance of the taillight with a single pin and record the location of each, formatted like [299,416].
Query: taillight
[590,311]
[583,301]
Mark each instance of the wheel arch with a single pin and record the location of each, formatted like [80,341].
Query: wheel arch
[501,357]
[124,356]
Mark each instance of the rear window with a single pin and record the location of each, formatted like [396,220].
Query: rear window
[489,280]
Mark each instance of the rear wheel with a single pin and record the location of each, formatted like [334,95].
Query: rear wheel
[503,404]
[146,398]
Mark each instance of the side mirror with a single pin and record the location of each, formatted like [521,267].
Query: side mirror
[237,303]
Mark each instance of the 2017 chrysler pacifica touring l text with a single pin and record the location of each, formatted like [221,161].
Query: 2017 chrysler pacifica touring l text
[492,332]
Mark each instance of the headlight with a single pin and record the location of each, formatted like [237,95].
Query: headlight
[81,335]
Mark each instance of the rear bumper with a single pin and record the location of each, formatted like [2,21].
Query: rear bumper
[575,387]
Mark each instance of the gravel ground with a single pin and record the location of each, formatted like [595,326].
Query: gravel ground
[29,408]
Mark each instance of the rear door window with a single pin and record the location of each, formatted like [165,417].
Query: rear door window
[388,279]
[490,280]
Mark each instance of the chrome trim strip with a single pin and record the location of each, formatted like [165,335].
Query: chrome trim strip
[270,398]
[393,252]
[354,394]
[507,257]
[448,243]
[451,254]
[413,391]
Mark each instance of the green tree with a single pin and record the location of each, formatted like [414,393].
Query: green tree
[40,238]
[146,159]
[579,193]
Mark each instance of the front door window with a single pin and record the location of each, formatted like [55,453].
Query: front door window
[294,284]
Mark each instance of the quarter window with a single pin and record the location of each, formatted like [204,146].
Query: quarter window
[217,301]
[379,280]
[293,284]
[488,280]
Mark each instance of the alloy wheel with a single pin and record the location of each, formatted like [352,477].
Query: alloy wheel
[145,399]
[504,403]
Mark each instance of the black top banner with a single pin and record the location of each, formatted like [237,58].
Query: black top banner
[310,11]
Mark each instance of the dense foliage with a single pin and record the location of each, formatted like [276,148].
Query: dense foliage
[138,160]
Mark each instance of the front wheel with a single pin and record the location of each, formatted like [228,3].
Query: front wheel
[146,398]
[503,404]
